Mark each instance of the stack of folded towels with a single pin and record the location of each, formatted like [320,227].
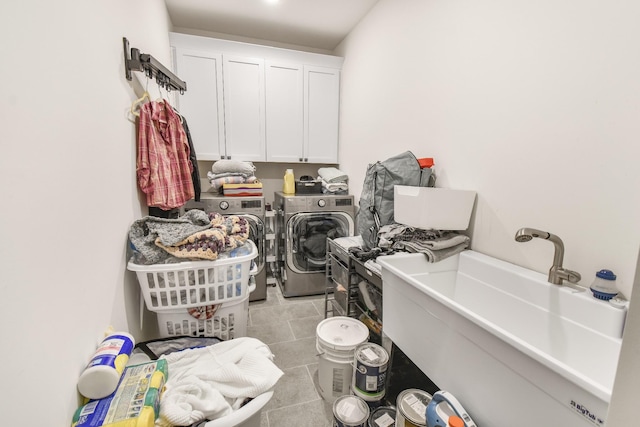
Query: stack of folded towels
[232,176]
[334,181]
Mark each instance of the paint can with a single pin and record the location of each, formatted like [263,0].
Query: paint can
[370,362]
[372,402]
[384,416]
[350,411]
[336,341]
[411,408]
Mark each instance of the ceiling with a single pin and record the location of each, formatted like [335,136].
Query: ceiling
[318,24]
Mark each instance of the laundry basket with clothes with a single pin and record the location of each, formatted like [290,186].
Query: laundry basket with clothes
[213,383]
[195,272]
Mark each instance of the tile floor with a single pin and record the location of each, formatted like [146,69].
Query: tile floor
[288,326]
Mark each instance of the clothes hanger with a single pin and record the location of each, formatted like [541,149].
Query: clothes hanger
[135,106]
[175,109]
[165,100]
[160,97]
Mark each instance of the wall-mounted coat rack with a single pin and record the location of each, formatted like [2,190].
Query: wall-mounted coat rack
[136,61]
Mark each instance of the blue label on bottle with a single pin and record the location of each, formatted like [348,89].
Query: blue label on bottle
[110,349]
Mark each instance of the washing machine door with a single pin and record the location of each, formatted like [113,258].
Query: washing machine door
[256,234]
[307,235]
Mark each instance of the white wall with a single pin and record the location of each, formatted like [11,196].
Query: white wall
[533,104]
[67,181]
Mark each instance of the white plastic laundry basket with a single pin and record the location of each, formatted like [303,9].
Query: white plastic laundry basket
[228,321]
[196,283]
[247,416]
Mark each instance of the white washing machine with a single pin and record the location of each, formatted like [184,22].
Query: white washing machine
[303,225]
[250,207]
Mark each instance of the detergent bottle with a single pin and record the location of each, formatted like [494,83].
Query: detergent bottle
[289,185]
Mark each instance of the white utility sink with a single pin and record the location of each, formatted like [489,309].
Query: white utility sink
[513,348]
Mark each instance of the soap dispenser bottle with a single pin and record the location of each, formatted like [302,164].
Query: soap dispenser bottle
[604,285]
[289,185]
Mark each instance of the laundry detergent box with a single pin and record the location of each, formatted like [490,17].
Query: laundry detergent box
[134,403]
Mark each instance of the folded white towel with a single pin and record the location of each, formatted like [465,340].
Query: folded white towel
[211,382]
[332,175]
[333,187]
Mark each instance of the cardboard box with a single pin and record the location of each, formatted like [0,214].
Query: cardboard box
[433,208]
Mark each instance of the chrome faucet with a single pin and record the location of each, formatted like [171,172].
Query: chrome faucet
[557,274]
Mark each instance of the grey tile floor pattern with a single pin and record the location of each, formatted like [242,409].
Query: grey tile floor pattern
[288,326]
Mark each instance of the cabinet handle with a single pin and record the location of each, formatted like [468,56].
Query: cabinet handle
[300,159]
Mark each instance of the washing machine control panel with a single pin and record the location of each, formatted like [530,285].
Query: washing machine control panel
[227,205]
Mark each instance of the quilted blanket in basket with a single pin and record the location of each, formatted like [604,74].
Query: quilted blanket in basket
[195,235]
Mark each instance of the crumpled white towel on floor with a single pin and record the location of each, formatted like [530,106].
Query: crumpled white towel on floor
[211,382]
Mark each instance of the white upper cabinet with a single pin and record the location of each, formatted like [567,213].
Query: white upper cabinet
[258,103]
[285,106]
[244,108]
[302,113]
[202,103]
[321,100]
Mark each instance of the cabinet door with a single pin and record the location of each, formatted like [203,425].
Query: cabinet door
[244,108]
[202,103]
[284,112]
[321,100]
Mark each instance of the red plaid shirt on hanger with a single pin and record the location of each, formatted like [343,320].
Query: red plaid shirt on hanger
[163,166]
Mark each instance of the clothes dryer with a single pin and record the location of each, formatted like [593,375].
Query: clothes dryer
[252,209]
[304,223]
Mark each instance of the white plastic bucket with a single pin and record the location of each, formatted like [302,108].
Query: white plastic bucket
[336,341]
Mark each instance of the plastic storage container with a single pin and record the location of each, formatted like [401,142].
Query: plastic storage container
[433,208]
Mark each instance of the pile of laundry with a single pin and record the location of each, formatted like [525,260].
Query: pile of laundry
[334,181]
[231,172]
[195,235]
[436,245]
[210,382]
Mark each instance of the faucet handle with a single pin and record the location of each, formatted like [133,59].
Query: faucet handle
[570,276]
[574,276]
